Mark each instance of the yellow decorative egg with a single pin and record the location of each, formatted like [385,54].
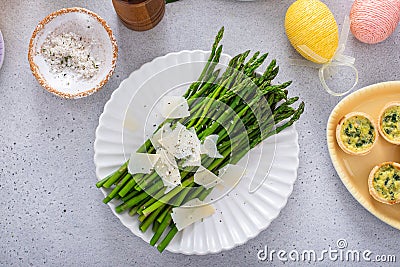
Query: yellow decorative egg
[312,30]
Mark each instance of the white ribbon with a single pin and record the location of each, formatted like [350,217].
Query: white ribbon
[339,59]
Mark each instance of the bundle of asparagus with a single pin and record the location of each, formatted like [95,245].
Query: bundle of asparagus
[240,88]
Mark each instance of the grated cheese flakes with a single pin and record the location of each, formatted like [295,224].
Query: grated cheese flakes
[142,163]
[167,168]
[182,143]
[206,178]
[209,146]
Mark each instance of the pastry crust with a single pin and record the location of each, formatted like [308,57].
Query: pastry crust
[380,126]
[340,141]
[371,188]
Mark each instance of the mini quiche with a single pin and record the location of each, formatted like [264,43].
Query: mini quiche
[384,183]
[389,123]
[356,133]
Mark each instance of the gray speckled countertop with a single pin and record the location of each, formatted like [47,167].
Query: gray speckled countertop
[51,213]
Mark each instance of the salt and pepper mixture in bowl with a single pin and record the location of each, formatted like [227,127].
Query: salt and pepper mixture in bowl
[72,52]
[69,55]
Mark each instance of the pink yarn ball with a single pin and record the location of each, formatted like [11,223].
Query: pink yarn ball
[372,21]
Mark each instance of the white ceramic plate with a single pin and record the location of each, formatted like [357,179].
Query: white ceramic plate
[239,215]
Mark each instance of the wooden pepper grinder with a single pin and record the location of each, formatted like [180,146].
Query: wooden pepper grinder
[140,15]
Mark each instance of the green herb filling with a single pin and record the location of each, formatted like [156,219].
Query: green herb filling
[387,182]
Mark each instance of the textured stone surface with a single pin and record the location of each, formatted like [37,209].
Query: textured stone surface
[51,213]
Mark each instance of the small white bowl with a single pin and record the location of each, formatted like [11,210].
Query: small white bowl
[86,24]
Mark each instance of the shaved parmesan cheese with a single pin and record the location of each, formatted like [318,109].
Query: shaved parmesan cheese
[182,143]
[167,168]
[170,141]
[193,203]
[209,146]
[163,131]
[194,211]
[192,143]
[142,162]
[169,188]
[231,174]
[206,178]
[192,161]
[174,107]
